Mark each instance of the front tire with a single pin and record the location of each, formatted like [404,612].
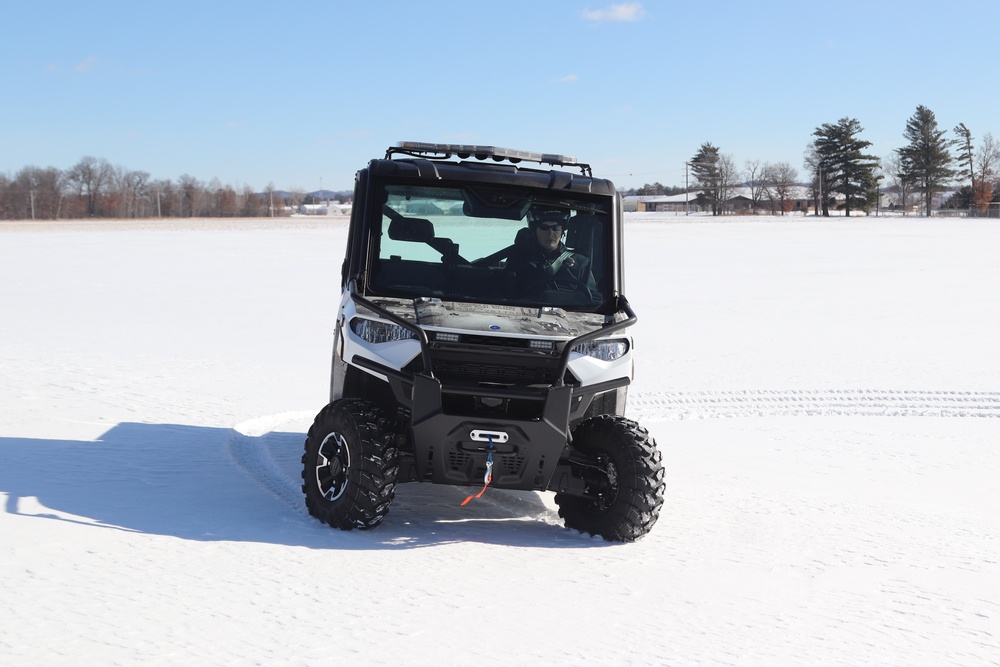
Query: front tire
[625,480]
[349,466]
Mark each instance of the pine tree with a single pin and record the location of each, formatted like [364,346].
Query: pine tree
[926,160]
[965,153]
[706,169]
[849,170]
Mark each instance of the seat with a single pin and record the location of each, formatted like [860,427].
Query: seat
[584,237]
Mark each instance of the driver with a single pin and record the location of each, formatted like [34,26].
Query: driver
[543,266]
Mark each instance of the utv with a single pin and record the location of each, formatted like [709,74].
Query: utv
[482,340]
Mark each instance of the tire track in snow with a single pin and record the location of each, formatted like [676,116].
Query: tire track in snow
[271,460]
[670,406]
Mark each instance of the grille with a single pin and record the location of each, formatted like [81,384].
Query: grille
[513,463]
[457,459]
[495,341]
[512,408]
[448,369]
[470,366]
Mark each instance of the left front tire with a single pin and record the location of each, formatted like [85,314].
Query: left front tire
[350,465]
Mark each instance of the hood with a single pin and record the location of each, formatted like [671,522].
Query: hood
[493,318]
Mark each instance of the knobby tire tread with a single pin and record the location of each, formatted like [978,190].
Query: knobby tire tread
[374,461]
[633,511]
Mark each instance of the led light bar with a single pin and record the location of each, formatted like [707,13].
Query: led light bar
[496,153]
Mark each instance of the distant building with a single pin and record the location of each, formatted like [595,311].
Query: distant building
[325,208]
[657,203]
[740,202]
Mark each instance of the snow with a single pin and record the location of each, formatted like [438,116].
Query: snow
[825,394]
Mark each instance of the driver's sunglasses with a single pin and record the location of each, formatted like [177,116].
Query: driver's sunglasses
[551,228]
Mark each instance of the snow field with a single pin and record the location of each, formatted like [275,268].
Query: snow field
[825,395]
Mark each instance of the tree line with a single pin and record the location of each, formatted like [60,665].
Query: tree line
[837,163]
[94,188]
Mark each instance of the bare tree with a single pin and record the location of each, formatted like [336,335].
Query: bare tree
[753,174]
[780,179]
[296,197]
[729,179]
[273,201]
[225,201]
[985,165]
[35,193]
[90,177]
[821,182]
[249,202]
[6,198]
[897,185]
[129,193]
[192,196]
[163,199]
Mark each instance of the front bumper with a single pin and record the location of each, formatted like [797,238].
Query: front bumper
[447,451]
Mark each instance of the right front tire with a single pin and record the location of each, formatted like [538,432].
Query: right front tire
[626,480]
[349,466]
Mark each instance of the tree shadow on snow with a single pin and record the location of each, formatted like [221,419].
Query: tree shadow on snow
[203,483]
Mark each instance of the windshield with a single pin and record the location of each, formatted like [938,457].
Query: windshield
[492,245]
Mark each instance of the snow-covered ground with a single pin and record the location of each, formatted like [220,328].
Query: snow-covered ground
[826,395]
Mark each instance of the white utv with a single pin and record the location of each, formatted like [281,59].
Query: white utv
[482,340]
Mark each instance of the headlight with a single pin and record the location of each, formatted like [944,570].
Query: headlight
[605,350]
[374,331]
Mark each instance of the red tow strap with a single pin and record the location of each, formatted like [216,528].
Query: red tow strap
[489,474]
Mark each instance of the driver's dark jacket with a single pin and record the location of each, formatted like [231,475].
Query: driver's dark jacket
[532,267]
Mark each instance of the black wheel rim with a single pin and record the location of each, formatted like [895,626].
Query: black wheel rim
[333,461]
[609,494]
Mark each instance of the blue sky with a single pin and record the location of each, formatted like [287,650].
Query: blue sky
[303,93]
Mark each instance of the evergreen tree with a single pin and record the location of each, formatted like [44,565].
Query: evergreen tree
[965,153]
[926,160]
[962,199]
[708,174]
[848,169]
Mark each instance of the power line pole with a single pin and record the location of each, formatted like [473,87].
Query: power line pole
[819,179]
[687,207]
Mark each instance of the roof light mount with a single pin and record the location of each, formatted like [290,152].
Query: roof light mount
[434,151]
